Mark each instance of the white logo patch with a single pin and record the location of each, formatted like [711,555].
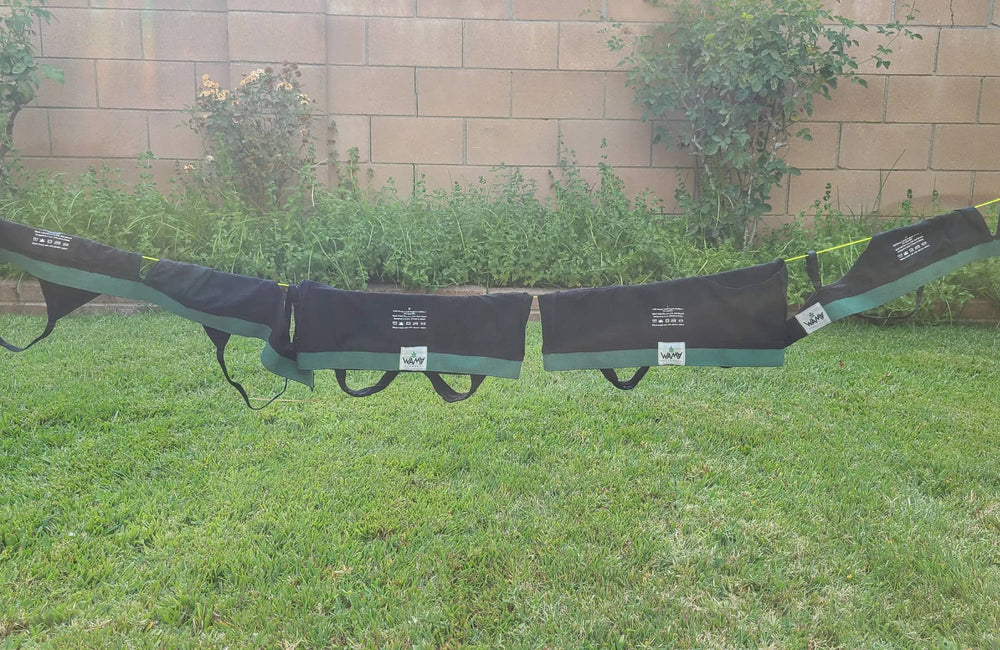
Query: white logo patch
[413,358]
[49,239]
[813,318]
[671,354]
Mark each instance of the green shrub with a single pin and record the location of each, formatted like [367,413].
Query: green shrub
[730,80]
[256,136]
[18,69]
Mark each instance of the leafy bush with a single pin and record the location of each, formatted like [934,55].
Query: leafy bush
[257,136]
[18,69]
[741,74]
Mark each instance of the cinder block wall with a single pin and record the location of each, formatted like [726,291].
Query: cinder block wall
[446,89]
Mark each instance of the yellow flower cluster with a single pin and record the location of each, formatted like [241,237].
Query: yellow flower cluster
[252,77]
[212,89]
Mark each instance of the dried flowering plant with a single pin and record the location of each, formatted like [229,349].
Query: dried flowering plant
[256,136]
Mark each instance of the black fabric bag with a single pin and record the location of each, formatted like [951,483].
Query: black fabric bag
[226,304]
[736,318]
[71,270]
[894,263]
[353,330]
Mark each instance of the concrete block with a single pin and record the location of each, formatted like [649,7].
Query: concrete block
[415,41]
[371,90]
[417,139]
[661,183]
[265,37]
[351,131]
[558,94]
[482,9]
[865,12]
[619,99]
[346,40]
[511,45]
[966,146]
[82,133]
[818,153]
[292,6]
[512,142]
[974,13]
[557,10]
[989,103]
[145,84]
[185,36]
[31,132]
[932,99]
[463,92]
[908,56]
[164,5]
[628,142]
[638,11]
[370,7]
[93,34]
[170,137]
[79,87]
[885,146]
[972,52]
[851,102]
[864,192]
[584,46]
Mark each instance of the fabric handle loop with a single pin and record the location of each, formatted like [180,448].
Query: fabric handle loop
[377,387]
[612,376]
[49,326]
[812,268]
[448,393]
[220,339]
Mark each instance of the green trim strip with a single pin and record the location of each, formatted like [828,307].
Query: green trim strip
[136,290]
[436,362]
[890,291]
[648,357]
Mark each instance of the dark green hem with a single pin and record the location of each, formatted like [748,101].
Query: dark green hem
[436,362]
[648,357]
[136,290]
[879,296]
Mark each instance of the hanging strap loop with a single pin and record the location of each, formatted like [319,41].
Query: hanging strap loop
[812,269]
[59,301]
[377,387]
[612,376]
[448,393]
[220,339]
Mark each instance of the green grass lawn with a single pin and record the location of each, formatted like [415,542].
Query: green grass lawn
[850,499]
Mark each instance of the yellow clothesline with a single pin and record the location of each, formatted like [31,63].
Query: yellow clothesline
[790,259]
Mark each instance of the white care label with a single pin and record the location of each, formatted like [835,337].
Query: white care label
[671,354]
[48,239]
[667,317]
[910,246]
[413,358]
[409,319]
[813,318]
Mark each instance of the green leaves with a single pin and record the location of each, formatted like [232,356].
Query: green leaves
[742,72]
[18,67]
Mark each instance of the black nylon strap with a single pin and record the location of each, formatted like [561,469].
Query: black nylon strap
[612,376]
[377,387]
[59,301]
[448,393]
[812,268]
[49,326]
[884,320]
[220,339]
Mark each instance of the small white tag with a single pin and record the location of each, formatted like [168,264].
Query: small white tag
[671,354]
[413,358]
[813,318]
